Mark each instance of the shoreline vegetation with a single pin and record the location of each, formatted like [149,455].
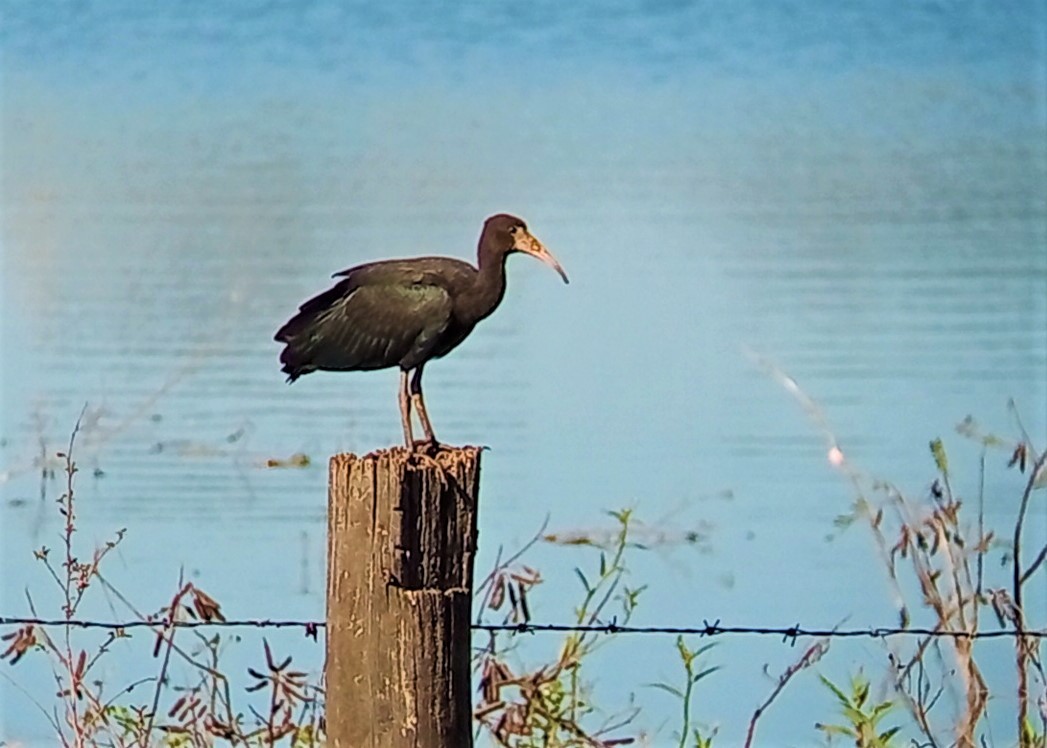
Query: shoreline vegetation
[942,560]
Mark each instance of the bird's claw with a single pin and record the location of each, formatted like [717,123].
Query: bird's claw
[427,447]
[423,455]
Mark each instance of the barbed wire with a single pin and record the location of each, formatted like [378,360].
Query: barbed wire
[787,633]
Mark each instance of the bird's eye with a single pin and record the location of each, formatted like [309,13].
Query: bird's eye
[512,229]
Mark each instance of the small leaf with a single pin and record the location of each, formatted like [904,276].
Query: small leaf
[853,715]
[836,730]
[881,709]
[886,735]
[861,691]
[940,458]
[685,654]
[497,594]
[703,673]
[840,696]
[1019,457]
[665,687]
[525,610]
[843,521]
[176,707]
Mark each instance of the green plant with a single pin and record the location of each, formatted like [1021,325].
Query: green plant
[550,705]
[689,659]
[862,715]
[199,714]
[930,544]
[933,543]
[946,554]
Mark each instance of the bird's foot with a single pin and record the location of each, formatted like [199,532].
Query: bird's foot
[423,456]
[428,447]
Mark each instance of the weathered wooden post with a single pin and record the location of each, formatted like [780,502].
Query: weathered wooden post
[401,543]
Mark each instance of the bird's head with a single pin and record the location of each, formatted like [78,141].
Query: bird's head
[509,234]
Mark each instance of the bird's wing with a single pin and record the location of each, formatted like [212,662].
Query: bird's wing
[371,324]
[311,309]
[430,269]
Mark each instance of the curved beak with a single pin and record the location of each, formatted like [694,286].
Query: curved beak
[528,244]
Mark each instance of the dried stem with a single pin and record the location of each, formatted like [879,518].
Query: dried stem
[166,635]
[1024,646]
[809,657]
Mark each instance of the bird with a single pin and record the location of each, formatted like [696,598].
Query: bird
[405,313]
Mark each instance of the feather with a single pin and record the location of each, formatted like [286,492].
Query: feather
[353,326]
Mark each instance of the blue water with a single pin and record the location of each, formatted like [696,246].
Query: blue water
[855,191]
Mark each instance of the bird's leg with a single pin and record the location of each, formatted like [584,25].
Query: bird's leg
[405,411]
[419,406]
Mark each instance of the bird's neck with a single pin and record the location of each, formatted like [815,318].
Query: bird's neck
[489,287]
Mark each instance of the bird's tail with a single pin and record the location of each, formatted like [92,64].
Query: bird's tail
[297,333]
[294,358]
[292,372]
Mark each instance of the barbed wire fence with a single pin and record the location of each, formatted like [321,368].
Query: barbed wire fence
[787,633]
[495,710]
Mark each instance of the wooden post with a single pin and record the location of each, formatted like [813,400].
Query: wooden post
[401,544]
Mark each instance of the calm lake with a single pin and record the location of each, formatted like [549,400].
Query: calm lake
[854,193]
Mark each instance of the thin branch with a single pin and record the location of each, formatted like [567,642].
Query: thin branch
[1019,525]
[811,656]
[1034,565]
[167,635]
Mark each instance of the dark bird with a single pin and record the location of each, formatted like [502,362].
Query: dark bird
[405,313]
